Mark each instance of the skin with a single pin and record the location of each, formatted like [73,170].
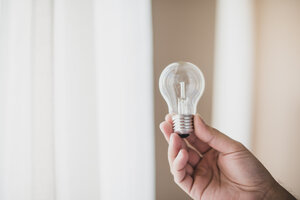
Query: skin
[210,165]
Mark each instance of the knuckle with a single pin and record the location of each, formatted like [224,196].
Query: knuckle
[171,170]
[176,180]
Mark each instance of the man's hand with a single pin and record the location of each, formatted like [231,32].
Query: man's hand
[210,165]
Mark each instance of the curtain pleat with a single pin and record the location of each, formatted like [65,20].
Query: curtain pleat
[124,79]
[234,68]
[16,100]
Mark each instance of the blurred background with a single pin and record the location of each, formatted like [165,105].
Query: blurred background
[80,106]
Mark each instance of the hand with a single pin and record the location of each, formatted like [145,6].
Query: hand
[210,165]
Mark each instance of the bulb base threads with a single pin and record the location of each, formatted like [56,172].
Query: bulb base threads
[183,125]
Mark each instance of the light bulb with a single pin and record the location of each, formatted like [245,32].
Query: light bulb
[181,85]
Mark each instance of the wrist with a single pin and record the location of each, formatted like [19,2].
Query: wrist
[276,191]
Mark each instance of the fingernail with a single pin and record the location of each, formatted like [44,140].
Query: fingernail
[166,117]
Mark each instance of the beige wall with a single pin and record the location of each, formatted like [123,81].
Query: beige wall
[183,30]
[276,139]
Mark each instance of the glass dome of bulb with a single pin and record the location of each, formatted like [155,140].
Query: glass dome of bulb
[182,84]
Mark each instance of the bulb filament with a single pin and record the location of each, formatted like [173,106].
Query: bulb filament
[182,90]
[182,99]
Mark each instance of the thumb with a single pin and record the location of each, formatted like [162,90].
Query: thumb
[215,138]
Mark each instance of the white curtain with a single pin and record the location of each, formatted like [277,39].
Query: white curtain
[76,110]
[233,72]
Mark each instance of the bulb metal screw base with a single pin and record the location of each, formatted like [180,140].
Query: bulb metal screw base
[183,125]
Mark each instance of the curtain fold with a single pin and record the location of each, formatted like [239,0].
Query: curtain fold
[16,100]
[234,66]
[76,113]
[123,31]
[75,117]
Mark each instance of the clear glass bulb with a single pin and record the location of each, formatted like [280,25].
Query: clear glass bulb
[181,85]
